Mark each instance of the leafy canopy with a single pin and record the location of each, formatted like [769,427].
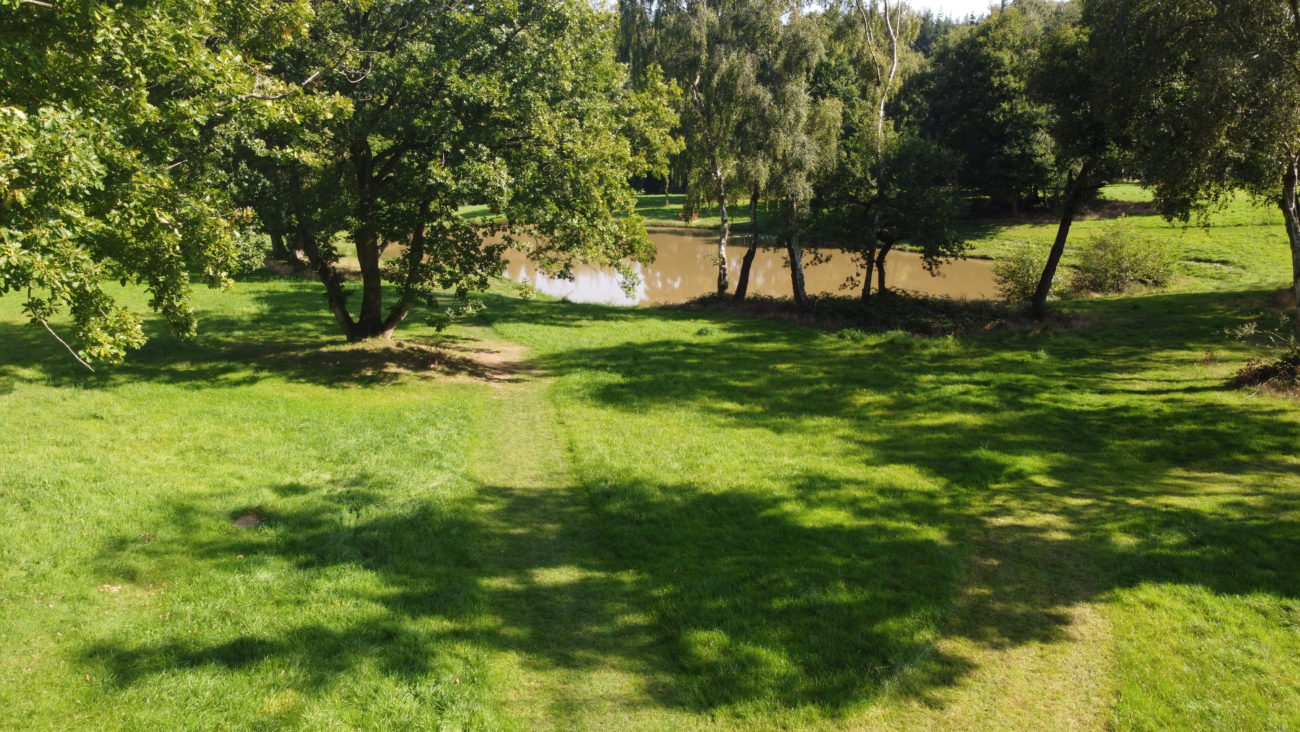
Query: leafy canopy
[115,123]
[517,105]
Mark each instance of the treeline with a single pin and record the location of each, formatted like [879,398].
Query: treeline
[871,124]
[163,143]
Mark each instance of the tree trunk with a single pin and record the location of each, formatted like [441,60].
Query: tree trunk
[873,238]
[796,255]
[742,286]
[1291,214]
[305,239]
[370,322]
[277,245]
[1069,206]
[282,250]
[723,234]
[414,257]
[880,268]
[870,274]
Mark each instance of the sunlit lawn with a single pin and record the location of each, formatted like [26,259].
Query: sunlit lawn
[1245,244]
[663,520]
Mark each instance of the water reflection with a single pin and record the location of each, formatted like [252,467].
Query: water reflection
[684,269]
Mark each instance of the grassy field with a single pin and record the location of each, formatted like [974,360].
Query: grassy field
[576,517]
[1244,246]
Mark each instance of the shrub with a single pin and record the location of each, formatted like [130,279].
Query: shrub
[852,335]
[1116,258]
[1280,372]
[1017,277]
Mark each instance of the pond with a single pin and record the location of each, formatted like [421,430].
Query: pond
[684,269]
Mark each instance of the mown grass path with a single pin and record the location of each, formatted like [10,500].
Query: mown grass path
[563,624]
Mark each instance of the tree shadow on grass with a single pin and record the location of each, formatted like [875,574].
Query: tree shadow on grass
[286,335]
[1061,477]
[420,550]
[713,601]
[1079,464]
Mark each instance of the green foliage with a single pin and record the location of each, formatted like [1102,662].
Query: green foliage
[917,202]
[116,124]
[1210,94]
[1118,257]
[1017,275]
[650,121]
[978,102]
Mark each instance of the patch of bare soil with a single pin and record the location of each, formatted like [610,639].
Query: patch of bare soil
[463,360]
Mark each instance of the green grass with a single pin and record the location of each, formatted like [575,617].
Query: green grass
[667,520]
[1244,246]
[661,210]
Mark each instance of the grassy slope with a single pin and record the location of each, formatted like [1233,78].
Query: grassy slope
[1245,244]
[799,512]
[678,521]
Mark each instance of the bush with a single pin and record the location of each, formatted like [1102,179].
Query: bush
[1017,277]
[1280,372]
[1116,258]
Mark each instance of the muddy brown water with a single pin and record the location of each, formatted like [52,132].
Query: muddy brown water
[684,269]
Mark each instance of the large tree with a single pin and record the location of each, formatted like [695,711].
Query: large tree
[889,185]
[980,105]
[715,50]
[803,137]
[918,203]
[1213,100]
[519,105]
[1087,119]
[116,124]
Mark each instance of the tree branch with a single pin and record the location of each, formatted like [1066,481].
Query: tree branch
[51,330]
[291,92]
